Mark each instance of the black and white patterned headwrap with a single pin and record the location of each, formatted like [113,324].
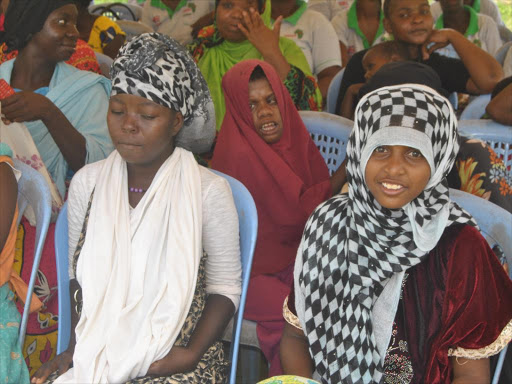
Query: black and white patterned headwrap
[351,244]
[158,68]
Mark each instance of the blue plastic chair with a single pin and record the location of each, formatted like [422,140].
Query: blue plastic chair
[34,191]
[248,227]
[476,108]
[330,134]
[495,225]
[105,62]
[501,53]
[496,135]
[333,92]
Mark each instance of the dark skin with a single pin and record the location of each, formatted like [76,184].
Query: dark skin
[143,133]
[34,69]
[500,107]
[455,16]
[8,199]
[286,8]
[84,25]
[368,16]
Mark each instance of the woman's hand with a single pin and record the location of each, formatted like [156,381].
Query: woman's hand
[264,39]
[178,360]
[26,106]
[439,38]
[60,363]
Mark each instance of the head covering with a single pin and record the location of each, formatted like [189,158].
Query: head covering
[287,179]
[24,18]
[158,68]
[346,264]
[404,72]
[215,56]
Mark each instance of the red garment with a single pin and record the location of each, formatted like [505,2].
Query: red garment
[287,179]
[84,57]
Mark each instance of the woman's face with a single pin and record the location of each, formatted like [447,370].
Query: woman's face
[58,37]
[265,111]
[142,131]
[229,15]
[396,175]
[409,21]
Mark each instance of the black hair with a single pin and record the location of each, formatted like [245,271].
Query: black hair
[82,4]
[257,74]
[261,4]
[501,86]
[390,48]
[385,8]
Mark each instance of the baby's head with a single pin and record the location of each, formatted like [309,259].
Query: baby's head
[383,53]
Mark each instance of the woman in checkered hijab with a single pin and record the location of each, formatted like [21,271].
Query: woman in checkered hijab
[393,282]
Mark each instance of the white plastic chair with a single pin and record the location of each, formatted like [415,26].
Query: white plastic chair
[495,225]
[33,191]
[105,63]
[133,28]
[333,92]
[117,11]
[476,108]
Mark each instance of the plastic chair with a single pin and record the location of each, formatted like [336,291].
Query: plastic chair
[453,98]
[496,135]
[333,92]
[248,226]
[501,53]
[105,63]
[495,224]
[117,11]
[133,28]
[330,134]
[34,191]
[476,108]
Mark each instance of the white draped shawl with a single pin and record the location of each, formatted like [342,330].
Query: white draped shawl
[137,270]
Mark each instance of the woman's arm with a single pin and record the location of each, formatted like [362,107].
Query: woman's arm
[500,107]
[210,327]
[348,105]
[29,106]
[294,353]
[484,70]
[324,79]
[265,40]
[112,48]
[467,371]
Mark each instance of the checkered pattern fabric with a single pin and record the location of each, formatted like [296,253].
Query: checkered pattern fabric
[351,244]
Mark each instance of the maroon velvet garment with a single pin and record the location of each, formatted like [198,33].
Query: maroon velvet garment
[460,296]
[287,179]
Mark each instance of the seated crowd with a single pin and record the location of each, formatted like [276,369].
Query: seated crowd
[365,274]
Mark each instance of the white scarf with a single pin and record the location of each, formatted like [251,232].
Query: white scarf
[137,270]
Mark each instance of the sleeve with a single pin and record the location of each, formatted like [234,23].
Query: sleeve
[354,73]
[452,72]
[326,49]
[92,124]
[340,26]
[489,34]
[78,198]
[221,242]
[477,310]
[507,64]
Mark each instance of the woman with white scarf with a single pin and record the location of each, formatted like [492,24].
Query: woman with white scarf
[154,247]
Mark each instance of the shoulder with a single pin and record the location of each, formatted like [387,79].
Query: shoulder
[212,185]
[84,180]
[485,21]
[340,21]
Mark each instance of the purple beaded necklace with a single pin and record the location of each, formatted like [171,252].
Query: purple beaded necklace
[137,190]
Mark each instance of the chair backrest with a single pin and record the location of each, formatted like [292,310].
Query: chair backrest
[105,63]
[248,227]
[453,98]
[496,135]
[133,28]
[117,11]
[333,91]
[61,258]
[501,53]
[330,134]
[33,191]
[476,108]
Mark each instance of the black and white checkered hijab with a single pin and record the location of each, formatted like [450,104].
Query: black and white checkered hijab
[351,244]
[158,68]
